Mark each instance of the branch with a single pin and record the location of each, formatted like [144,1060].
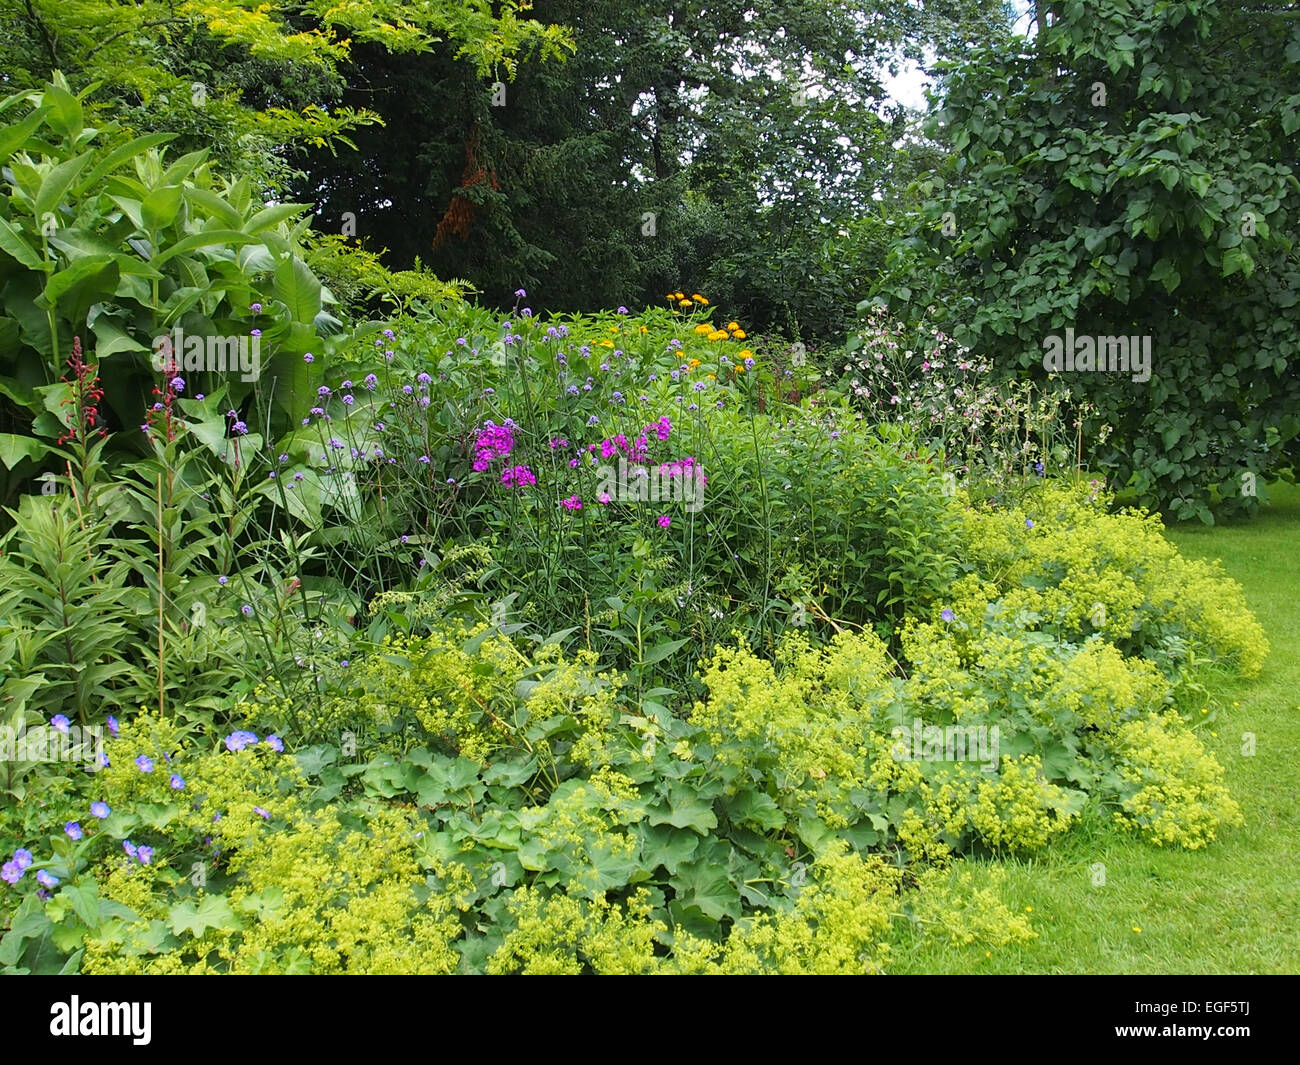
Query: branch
[45,35]
[130,29]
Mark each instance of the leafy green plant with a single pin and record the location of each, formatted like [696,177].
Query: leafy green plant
[104,237]
[63,595]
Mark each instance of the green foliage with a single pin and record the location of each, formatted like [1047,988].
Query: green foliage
[544,719]
[382,480]
[246,81]
[117,242]
[539,823]
[1130,174]
[64,611]
[360,280]
[735,147]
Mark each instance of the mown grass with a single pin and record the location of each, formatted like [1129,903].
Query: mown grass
[1233,907]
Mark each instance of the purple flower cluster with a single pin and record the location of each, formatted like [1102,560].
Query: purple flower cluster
[241,738]
[143,854]
[492,442]
[519,476]
[681,467]
[12,871]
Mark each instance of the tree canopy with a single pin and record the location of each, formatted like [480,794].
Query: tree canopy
[1130,173]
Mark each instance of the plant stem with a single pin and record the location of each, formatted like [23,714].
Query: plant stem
[160,596]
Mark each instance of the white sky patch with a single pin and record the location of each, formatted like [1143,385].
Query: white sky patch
[908,87]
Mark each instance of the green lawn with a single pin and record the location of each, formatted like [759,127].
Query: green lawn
[1233,907]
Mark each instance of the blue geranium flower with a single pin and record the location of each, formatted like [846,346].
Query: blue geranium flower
[239,739]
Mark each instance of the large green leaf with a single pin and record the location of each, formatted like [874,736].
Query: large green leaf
[131,207]
[111,338]
[78,243]
[685,809]
[84,283]
[13,449]
[213,911]
[55,183]
[756,808]
[706,884]
[13,137]
[213,205]
[271,216]
[183,167]
[160,207]
[298,288]
[84,899]
[119,155]
[15,245]
[666,846]
[65,116]
[609,868]
[206,239]
[28,922]
[255,258]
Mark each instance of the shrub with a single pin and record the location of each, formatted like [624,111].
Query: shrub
[513,812]
[1173,788]
[1078,570]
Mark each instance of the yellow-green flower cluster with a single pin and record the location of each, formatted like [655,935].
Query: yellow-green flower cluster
[1060,556]
[807,728]
[962,905]
[301,893]
[557,934]
[1177,787]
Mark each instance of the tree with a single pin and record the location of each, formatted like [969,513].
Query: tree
[720,148]
[1131,174]
[252,83]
